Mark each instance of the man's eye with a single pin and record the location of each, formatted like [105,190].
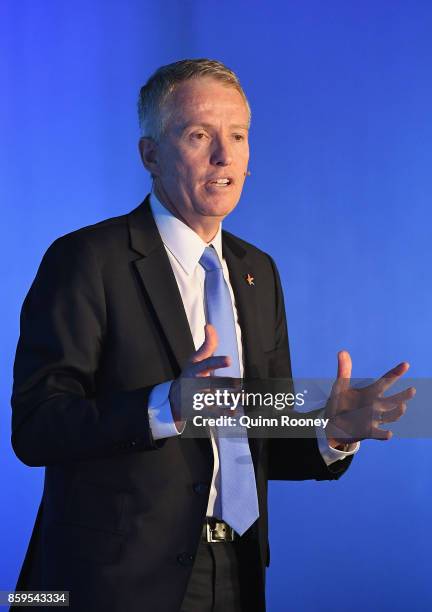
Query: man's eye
[198,135]
[239,137]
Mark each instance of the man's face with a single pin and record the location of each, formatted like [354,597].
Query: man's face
[206,138]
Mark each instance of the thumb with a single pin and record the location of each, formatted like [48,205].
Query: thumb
[209,345]
[344,370]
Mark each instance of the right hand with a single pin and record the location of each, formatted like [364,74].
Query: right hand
[201,363]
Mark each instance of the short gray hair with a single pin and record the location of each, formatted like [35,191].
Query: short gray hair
[159,87]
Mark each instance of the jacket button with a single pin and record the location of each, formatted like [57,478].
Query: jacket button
[199,488]
[185,558]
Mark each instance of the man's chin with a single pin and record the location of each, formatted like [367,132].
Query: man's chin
[217,207]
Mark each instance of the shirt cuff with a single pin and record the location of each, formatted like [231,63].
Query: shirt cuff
[330,454]
[161,421]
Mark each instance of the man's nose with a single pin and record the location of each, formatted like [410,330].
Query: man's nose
[221,154]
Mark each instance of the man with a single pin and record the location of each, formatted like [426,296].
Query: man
[134,513]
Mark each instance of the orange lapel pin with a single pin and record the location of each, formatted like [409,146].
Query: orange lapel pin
[250,280]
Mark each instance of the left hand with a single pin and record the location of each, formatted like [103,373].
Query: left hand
[356,414]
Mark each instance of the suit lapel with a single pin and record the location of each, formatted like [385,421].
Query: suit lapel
[159,283]
[245,294]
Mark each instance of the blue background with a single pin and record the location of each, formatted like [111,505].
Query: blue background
[340,195]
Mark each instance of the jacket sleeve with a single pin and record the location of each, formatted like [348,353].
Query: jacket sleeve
[297,457]
[57,413]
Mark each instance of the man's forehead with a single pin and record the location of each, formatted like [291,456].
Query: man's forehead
[207,111]
[200,105]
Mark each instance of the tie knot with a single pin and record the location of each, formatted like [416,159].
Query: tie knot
[210,260]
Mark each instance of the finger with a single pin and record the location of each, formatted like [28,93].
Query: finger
[204,367]
[389,416]
[380,434]
[342,382]
[402,396]
[209,345]
[388,379]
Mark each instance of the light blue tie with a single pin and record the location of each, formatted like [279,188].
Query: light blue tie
[238,503]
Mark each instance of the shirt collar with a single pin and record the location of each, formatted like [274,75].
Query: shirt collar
[184,244]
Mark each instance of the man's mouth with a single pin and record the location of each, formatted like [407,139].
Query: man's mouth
[221,182]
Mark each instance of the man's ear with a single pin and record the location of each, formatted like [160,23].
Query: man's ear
[148,152]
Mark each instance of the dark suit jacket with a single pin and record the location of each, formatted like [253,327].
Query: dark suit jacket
[121,514]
